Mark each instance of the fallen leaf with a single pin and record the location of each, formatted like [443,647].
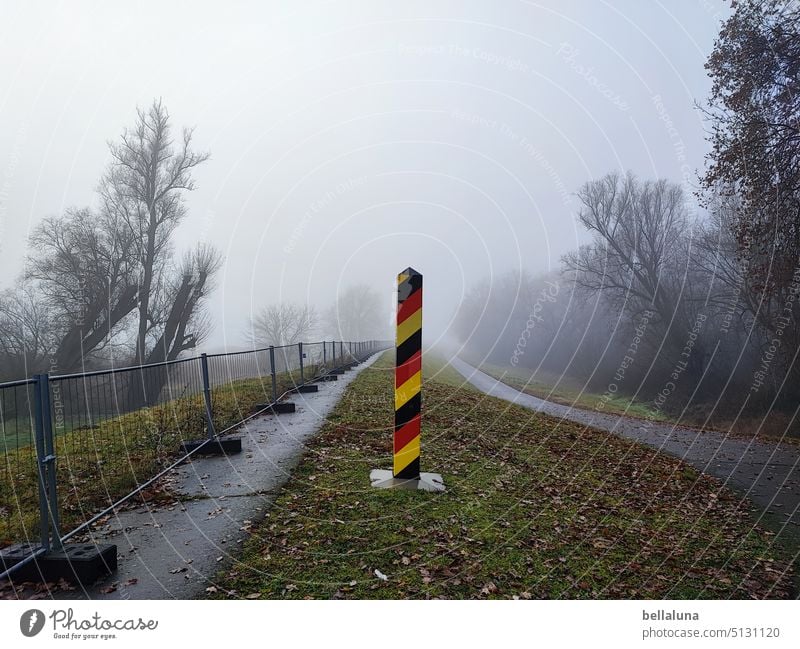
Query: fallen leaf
[63,584]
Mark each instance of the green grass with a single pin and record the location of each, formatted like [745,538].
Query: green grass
[97,465]
[534,508]
[436,368]
[15,432]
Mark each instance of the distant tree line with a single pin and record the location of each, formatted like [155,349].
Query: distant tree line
[355,315]
[685,311]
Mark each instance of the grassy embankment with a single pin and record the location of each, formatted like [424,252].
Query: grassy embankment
[98,465]
[569,392]
[533,508]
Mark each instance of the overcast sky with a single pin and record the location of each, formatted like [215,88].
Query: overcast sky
[349,140]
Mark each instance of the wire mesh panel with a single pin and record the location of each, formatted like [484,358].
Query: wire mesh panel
[334,353]
[239,381]
[314,359]
[287,359]
[115,429]
[110,432]
[238,366]
[327,356]
[19,481]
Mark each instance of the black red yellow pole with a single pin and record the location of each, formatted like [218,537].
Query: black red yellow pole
[408,376]
[405,473]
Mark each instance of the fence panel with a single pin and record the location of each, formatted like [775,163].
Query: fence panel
[313,361]
[115,429]
[238,382]
[19,478]
[287,360]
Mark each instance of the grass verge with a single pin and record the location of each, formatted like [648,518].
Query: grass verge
[566,392]
[534,508]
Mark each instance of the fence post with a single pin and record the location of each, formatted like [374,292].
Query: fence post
[207,397]
[49,461]
[333,346]
[44,515]
[324,354]
[272,373]
[300,351]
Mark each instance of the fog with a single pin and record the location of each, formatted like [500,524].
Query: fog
[351,140]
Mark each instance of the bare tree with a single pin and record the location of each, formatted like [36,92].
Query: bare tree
[749,317]
[638,250]
[26,333]
[283,324]
[715,253]
[144,187]
[83,266]
[181,322]
[356,315]
[100,279]
[103,273]
[640,260]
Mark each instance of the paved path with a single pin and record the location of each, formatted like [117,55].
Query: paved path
[175,551]
[766,472]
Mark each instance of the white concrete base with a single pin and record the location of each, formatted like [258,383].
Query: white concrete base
[384,479]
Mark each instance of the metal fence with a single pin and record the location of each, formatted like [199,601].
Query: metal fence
[74,447]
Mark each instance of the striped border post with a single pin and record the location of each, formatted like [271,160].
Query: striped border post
[408,375]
